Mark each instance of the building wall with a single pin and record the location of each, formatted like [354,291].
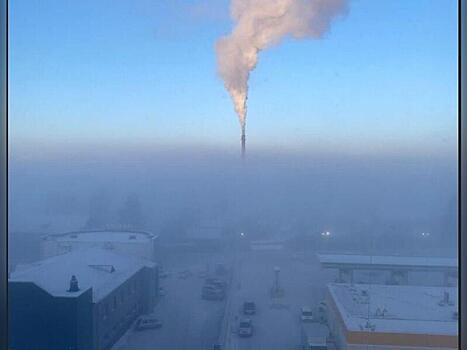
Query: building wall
[39,321]
[117,311]
[335,323]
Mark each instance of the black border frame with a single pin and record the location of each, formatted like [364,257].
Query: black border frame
[462,171]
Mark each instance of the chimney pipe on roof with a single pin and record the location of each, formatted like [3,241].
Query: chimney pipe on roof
[73,284]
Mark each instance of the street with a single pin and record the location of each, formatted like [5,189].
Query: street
[190,322]
[276,324]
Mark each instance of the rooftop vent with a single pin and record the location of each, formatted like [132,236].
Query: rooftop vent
[369,326]
[73,284]
[381,312]
[106,268]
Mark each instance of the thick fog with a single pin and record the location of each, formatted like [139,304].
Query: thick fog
[368,202]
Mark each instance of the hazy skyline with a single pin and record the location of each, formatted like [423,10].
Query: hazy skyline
[144,74]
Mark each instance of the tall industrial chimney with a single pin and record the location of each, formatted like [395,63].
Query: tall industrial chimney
[243,142]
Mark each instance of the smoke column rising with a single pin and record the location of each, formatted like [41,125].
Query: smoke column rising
[259,24]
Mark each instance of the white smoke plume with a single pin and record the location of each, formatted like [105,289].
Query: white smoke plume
[259,24]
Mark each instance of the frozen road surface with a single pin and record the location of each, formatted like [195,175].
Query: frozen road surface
[189,322]
[192,323]
[276,324]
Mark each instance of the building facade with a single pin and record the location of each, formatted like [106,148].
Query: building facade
[134,243]
[48,311]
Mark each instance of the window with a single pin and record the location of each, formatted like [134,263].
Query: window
[105,310]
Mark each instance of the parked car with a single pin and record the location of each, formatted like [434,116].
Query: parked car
[306,314]
[249,308]
[161,291]
[147,322]
[322,312]
[314,336]
[245,328]
[210,292]
[216,282]
[184,274]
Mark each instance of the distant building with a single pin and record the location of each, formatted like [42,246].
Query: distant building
[206,237]
[392,317]
[267,245]
[396,270]
[82,300]
[135,243]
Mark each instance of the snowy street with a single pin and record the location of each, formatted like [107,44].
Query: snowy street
[189,322]
[276,324]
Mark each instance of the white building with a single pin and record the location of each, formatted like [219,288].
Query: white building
[139,244]
[387,317]
[428,271]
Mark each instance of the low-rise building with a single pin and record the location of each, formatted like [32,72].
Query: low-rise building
[398,270]
[136,243]
[392,317]
[82,300]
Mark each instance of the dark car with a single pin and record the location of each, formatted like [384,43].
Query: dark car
[245,328]
[215,282]
[249,308]
[212,293]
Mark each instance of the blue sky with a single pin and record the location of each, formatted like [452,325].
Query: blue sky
[384,79]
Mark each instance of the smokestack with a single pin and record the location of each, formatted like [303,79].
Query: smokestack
[243,142]
[260,24]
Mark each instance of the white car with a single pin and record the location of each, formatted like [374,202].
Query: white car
[306,314]
[147,322]
[245,328]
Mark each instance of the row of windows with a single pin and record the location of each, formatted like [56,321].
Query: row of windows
[119,297]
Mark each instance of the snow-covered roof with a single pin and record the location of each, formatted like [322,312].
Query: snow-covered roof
[96,268]
[396,309]
[103,236]
[376,261]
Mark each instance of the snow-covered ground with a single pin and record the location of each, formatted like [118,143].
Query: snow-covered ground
[188,321]
[194,324]
[276,325]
